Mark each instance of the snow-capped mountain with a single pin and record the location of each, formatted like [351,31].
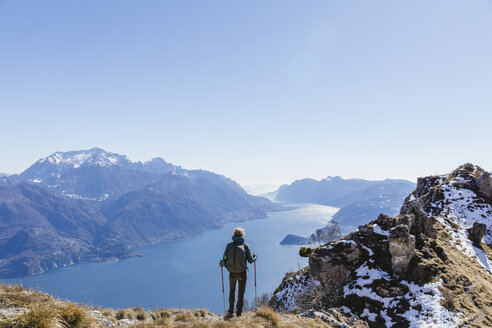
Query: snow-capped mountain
[95,205]
[430,266]
[94,174]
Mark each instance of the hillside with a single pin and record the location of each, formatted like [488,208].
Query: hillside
[429,266]
[40,230]
[95,206]
[22,308]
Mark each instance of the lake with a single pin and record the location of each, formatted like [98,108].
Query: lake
[185,273]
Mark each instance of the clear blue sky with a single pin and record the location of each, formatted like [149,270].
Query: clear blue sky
[260,91]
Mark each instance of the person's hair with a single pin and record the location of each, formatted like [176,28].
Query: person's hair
[238,231]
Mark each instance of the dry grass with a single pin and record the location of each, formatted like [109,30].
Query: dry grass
[467,286]
[17,296]
[44,311]
[447,300]
[269,315]
[39,316]
[73,315]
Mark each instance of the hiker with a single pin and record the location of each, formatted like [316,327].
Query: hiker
[234,259]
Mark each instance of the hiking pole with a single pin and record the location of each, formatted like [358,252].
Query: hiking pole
[256,298]
[223,293]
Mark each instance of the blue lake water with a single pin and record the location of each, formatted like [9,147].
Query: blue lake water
[185,273]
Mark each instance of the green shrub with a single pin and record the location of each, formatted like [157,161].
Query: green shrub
[305,251]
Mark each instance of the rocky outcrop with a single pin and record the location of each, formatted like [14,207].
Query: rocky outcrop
[401,247]
[394,271]
[484,185]
[333,264]
[476,232]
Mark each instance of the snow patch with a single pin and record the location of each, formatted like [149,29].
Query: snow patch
[370,316]
[463,207]
[377,229]
[295,286]
[426,298]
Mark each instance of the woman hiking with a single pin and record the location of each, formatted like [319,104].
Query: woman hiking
[234,259]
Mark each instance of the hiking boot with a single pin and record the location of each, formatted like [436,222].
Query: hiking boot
[228,316]
[238,314]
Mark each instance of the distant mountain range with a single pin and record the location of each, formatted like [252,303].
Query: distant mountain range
[94,205]
[359,200]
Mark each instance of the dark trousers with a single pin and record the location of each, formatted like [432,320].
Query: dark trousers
[240,278]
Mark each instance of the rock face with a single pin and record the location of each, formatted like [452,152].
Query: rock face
[401,247]
[393,271]
[484,184]
[333,264]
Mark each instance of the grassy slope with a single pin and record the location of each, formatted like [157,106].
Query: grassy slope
[22,308]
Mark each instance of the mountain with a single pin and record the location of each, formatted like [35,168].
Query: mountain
[95,205]
[330,191]
[178,205]
[337,192]
[40,230]
[386,197]
[429,266]
[360,200]
[94,174]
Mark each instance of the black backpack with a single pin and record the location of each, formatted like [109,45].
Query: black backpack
[235,261]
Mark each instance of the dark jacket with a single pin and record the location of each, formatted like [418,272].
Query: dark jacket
[239,240]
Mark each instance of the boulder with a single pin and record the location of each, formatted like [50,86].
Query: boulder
[401,247]
[476,232]
[484,184]
[334,263]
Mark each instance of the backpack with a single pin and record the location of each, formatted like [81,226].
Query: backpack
[235,261]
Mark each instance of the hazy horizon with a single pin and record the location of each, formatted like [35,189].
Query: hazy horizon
[258,91]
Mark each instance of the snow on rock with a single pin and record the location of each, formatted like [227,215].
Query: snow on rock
[426,310]
[94,156]
[459,207]
[422,304]
[359,270]
[377,229]
[287,295]
[367,314]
